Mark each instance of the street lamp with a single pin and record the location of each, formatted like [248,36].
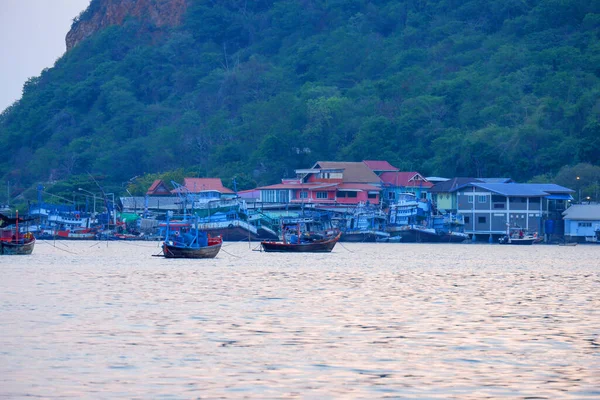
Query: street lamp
[579,186]
[93,194]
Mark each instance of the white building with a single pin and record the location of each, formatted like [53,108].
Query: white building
[581,222]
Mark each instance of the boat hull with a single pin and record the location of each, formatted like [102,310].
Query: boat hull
[518,242]
[171,251]
[232,233]
[12,248]
[363,237]
[324,246]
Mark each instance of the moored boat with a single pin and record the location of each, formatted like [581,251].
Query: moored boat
[193,249]
[307,234]
[190,243]
[364,224]
[306,243]
[518,236]
[12,241]
[18,246]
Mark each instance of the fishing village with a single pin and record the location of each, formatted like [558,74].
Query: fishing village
[368,201]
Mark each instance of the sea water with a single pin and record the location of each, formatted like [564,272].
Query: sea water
[410,321]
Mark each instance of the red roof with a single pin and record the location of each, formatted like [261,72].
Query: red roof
[380,166]
[158,187]
[406,179]
[197,185]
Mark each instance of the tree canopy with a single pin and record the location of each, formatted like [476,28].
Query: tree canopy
[257,89]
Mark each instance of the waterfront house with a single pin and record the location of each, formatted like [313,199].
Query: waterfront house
[204,188]
[395,183]
[327,183]
[581,222]
[158,188]
[443,194]
[488,208]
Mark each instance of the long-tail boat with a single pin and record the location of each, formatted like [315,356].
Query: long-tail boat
[190,243]
[11,241]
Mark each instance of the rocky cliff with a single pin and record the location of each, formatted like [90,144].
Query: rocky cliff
[103,13]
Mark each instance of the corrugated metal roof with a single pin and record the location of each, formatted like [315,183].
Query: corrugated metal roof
[451,185]
[523,189]
[496,180]
[197,185]
[583,212]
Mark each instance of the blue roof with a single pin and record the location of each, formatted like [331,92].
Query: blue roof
[496,180]
[524,189]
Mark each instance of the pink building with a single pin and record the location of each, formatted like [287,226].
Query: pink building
[327,183]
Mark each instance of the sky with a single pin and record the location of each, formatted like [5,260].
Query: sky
[32,37]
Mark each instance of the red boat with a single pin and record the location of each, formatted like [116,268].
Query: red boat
[12,242]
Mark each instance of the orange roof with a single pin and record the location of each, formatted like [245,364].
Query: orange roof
[158,187]
[197,185]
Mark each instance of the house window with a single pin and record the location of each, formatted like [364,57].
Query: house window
[470,198]
[372,196]
[304,195]
[584,224]
[467,220]
[321,195]
[481,220]
[482,199]
[352,194]
[392,195]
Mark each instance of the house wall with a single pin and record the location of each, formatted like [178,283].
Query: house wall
[362,196]
[580,228]
[488,213]
[313,196]
[445,201]
[275,195]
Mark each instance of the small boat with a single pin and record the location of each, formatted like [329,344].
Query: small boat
[518,236]
[307,243]
[11,241]
[191,243]
[195,249]
[18,245]
[309,233]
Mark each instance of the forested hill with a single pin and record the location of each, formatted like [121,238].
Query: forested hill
[255,89]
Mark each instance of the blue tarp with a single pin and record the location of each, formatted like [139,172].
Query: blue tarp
[560,197]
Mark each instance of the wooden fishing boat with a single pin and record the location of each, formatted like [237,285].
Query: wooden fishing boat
[186,242]
[306,244]
[12,242]
[18,246]
[176,249]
